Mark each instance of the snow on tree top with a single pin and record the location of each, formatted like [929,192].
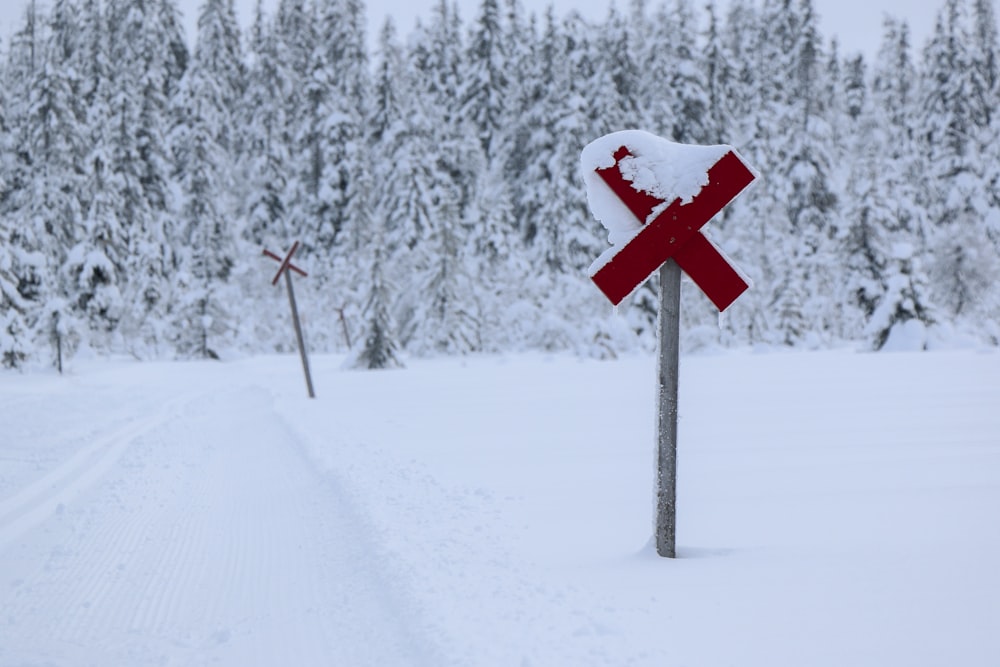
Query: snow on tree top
[662,168]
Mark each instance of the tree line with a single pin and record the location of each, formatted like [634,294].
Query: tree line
[434,181]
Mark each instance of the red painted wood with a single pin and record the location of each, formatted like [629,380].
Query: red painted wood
[708,268]
[291,266]
[669,234]
[286,263]
[640,202]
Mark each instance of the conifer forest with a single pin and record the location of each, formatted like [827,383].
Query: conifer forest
[433,179]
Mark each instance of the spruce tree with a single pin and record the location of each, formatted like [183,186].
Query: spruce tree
[951,123]
[377,348]
[264,119]
[54,211]
[483,94]
[204,322]
[14,347]
[886,167]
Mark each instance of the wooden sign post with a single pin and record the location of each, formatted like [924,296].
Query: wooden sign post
[667,237]
[286,268]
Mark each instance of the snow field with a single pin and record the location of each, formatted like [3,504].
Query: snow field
[834,508]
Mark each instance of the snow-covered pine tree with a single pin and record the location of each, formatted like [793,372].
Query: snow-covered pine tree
[342,131]
[95,72]
[984,61]
[309,214]
[740,38]
[135,57]
[297,64]
[295,31]
[650,48]
[268,173]
[520,38]
[441,72]
[378,210]
[497,262]
[884,223]
[95,266]
[417,195]
[201,309]
[799,134]
[402,136]
[985,69]
[350,160]
[175,57]
[25,48]
[607,60]
[264,122]
[438,54]
[867,215]
[204,322]
[495,269]
[445,318]
[19,261]
[884,278]
[446,156]
[895,100]
[568,237]
[483,94]
[55,143]
[686,89]
[377,348]
[841,92]
[534,133]
[584,102]
[386,116]
[963,260]
[14,346]
[760,38]
[721,88]
[747,224]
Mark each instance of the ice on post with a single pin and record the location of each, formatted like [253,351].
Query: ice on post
[667,170]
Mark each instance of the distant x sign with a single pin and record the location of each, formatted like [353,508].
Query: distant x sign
[675,234]
[286,266]
[286,263]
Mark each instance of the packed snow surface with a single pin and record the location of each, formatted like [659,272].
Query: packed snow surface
[834,509]
[662,168]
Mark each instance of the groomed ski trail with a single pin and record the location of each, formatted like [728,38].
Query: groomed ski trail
[202,537]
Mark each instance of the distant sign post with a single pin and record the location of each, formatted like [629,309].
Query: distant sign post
[669,239]
[286,268]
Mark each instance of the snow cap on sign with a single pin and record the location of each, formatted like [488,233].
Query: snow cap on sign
[665,169]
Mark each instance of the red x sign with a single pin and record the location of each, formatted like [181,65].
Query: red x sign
[674,233]
[286,263]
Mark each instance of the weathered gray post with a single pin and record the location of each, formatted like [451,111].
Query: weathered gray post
[298,334]
[668,328]
[343,327]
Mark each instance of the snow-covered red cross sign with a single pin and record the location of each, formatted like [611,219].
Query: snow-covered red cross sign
[654,196]
[658,196]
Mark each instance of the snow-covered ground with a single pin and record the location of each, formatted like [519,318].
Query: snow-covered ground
[835,509]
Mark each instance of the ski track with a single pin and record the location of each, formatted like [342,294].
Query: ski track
[49,493]
[197,536]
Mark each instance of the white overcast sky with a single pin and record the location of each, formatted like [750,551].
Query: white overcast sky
[856,23]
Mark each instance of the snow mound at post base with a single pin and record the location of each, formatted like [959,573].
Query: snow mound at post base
[665,169]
